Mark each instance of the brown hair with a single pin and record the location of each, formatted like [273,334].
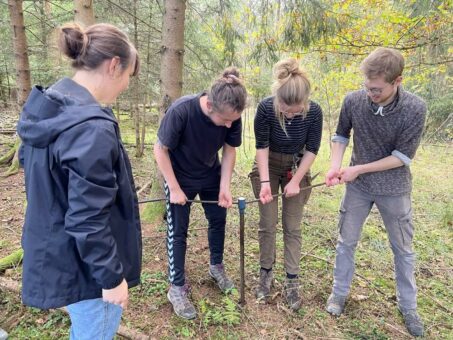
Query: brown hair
[291,87]
[383,61]
[228,90]
[89,47]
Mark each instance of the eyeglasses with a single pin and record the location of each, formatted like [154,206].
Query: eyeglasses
[375,90]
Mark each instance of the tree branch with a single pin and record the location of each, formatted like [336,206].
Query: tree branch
[134,16]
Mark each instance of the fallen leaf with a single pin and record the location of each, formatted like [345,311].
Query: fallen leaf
[359,297]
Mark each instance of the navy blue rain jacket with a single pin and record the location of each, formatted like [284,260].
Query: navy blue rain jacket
[82,228]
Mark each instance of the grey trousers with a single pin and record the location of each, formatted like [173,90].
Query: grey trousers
[279,165]
[396,213]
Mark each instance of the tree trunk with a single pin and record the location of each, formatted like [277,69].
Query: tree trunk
[142,144]
[20,50]
[44,12]
[138,152]
[135,89]
[172,58]
[22,66]
[84,12]
[172,51]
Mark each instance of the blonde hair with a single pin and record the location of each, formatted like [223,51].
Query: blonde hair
[291,87]
[383,61]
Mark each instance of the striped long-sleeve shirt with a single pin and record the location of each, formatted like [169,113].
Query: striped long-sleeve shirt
[302,133]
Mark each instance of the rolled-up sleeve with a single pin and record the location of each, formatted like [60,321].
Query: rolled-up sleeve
[409,139]
[344,127]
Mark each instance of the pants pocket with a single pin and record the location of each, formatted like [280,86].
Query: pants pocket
[341,220]
[406,229]
[305,194]
[255,181]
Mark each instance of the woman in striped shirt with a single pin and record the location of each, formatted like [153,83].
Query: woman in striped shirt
[288,129]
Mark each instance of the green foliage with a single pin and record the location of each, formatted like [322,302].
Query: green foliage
[447,219]
[3,243]
[185,332]
[440,116]
[226,314]
[12,260]
[8,156]
[42,325]
[364,331]
[307,22]
[153,212]
[153,284]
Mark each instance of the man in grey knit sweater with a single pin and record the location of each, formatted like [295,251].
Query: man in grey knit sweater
[388,124]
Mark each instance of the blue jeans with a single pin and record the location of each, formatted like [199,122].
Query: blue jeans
[94,319]
[396,212]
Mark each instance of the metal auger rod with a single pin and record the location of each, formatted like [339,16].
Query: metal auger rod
[241,204]
[216,202]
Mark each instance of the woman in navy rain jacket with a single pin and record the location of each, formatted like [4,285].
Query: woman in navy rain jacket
[82,234]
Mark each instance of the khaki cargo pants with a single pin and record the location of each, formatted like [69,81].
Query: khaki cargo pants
[279,165]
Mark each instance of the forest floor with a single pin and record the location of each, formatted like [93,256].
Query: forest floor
[371,311]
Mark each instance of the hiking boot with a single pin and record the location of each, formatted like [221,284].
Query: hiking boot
[292,293]
[335,304]
[217,272]
[264,288]
[182,306]
[413,322]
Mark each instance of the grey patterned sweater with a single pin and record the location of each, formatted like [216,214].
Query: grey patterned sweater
[396,130]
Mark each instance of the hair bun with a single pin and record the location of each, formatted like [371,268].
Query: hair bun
[285,68]
[231,71]
[73,41]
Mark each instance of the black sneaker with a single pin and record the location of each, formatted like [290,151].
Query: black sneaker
[413,322]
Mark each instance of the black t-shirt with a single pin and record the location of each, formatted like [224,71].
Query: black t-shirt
[194,140]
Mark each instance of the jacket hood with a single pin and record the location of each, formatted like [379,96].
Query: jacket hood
[49,112]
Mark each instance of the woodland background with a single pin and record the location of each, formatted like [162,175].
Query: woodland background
[183,46]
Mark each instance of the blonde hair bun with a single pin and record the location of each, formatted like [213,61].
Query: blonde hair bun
[286,68]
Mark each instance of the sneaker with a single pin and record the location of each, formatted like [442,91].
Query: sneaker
[3,334]
[335,304]
[217,272]
[413,322]
[292,293]
[264,288]
[182,306]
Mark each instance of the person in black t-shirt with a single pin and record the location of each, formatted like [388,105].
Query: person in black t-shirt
[191,133]
[288,129]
